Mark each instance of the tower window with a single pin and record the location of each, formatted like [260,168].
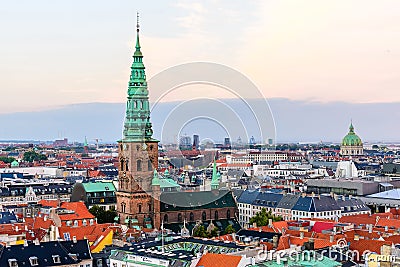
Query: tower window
[139,165]
[179,217]
[204,216]
[216,215]
[166,218]
[140,208]
[191,217]
[149,165]
[228,214]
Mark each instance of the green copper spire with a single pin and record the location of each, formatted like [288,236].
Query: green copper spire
[156,180]
[351,128]
[85,143]
[215,177]
[137,126]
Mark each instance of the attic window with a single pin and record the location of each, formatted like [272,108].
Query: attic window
[56,259]
[34,261]
[12,263]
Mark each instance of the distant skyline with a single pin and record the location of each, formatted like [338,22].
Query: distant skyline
[296,121]
[57,53]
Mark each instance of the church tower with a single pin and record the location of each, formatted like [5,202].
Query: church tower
[137,195]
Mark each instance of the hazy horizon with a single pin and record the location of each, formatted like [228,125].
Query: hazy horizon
[296,121]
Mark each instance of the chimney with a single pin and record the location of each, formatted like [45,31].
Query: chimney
[284,192]
[234,237]
[331,238]
[254,225]
[335,196]
[370,229]
[356,237]
[270,222]
[311,242]
[74,239]
[343,197]
[301,235]
[312,194]
[303,194]
[386,228]
[16,228]
[36,242]
[275,241]
[25,243]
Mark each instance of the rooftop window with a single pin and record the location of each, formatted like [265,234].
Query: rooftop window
[56,259]
[12,263]
[33,261]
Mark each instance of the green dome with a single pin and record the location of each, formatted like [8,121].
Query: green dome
[14,164]
[351,139]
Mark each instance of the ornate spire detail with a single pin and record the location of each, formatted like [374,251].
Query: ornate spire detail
[215,177]
[137,126]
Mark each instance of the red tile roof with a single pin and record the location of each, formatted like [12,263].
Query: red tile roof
[219,260]
[81,212]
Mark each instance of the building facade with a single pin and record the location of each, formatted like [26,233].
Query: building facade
[137,198]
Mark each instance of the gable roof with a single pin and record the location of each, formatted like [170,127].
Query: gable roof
[219,260]
[45,252]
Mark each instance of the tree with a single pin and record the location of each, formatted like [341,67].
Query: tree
[200,231]
[262,217]
[31,156]
[7,159]
[229,229]
[103,216]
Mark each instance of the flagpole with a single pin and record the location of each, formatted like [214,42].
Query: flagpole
[162,236]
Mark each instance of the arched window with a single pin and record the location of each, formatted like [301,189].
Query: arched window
[149,165]
[149,207]
[216,215]
[141,104]
[140,208]
[228,214]
[134,104]
[123,206]
[191,217]
[122,165]
[179,217]
[204,216]
[139,165]
[165,218]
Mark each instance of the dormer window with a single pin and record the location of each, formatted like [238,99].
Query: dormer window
[12,263]
[91,221]
[56,259]
[75,223]
[33,261]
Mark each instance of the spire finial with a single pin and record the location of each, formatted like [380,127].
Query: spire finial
[137,21]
